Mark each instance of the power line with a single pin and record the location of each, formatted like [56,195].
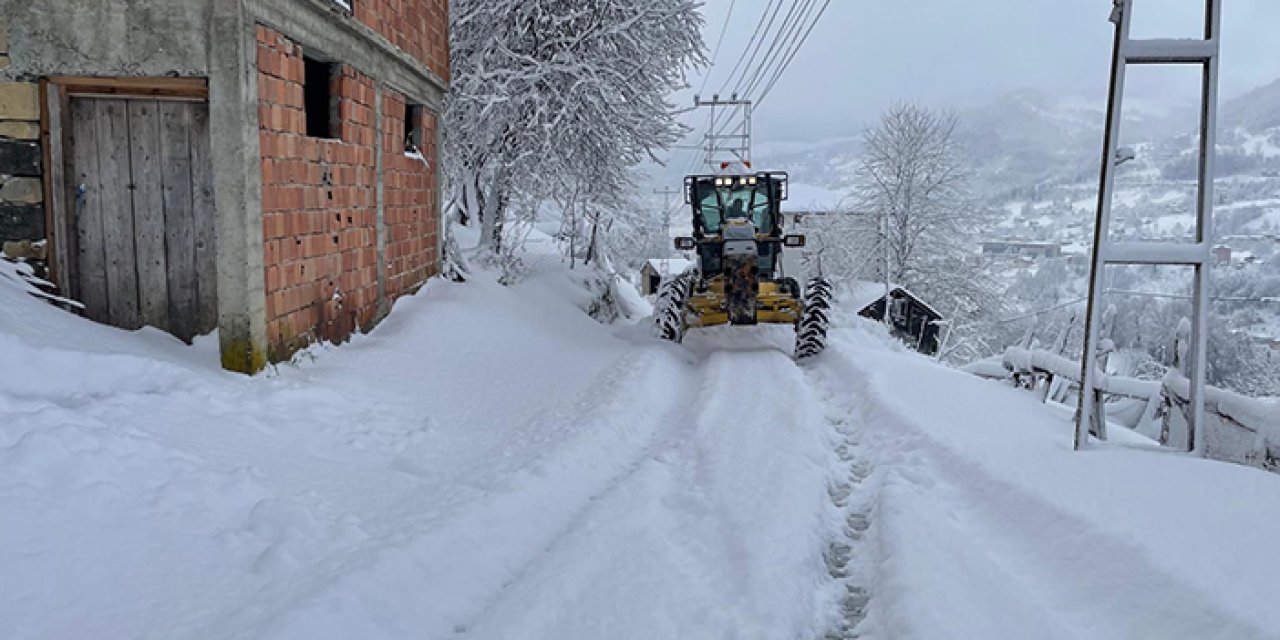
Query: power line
[787,41]
[719,41]
[749,74]
[742,58]
[794,51]
[748,56]
[796,16]
[1183,296]
[782,42]
[1141,294]
[715,56]
[747,70]
[790,43]
[755,51]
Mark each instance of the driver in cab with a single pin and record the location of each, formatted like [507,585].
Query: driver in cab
[737,209]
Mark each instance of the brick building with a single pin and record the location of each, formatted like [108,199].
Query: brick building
[267,168]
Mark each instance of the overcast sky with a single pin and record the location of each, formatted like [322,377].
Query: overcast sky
[867,54]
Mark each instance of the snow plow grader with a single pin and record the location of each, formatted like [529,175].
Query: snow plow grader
[738,278]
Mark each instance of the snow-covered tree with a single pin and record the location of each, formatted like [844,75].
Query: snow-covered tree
[913,218]
[555,100]
[912,189]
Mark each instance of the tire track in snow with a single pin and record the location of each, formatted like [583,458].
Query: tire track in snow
[849,543]
[718,533]
[661,440]
[485,537]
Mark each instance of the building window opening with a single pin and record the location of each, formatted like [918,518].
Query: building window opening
[412,128]
[319,104]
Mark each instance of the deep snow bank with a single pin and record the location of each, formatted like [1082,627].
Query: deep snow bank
[145,493]
[989,525]
[489,461]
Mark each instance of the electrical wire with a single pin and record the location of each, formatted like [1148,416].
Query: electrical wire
[719,41]
[776,57]
[783,40]
[753,45]
[768,88]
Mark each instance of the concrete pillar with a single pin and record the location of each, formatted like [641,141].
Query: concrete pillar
[380,224]
[437,178]
[233,127]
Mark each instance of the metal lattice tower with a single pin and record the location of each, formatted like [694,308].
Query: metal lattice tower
[1205,53]
[731,140]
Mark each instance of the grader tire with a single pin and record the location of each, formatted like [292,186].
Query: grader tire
[811,332]
[668,316]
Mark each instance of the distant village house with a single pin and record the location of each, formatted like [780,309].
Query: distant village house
[1221,255]
[1021,249]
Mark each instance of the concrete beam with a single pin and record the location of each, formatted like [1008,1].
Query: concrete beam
[237,186]
[154,38]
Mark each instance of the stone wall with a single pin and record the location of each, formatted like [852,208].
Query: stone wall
[22,216]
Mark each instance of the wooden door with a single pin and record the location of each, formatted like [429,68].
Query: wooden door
[141,201]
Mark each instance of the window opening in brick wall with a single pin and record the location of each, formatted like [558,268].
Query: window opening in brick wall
[320,106]
[412,128]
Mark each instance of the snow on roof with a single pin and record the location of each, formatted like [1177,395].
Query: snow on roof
[864,293]
[669,265]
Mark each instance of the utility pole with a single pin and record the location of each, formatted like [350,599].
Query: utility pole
[1203,53]
[737,142]
[666,192]
[888,286]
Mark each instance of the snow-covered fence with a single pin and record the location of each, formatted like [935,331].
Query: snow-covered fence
[1241,429]
[1238,428]
[1136,403]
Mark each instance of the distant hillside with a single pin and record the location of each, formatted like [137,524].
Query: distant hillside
[1030,142]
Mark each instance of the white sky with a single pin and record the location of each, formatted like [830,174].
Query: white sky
[867,54]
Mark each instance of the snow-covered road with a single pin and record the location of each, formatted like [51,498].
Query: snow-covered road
[490,463]
[716,531]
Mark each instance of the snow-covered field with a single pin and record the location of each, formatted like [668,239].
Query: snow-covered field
[491,463]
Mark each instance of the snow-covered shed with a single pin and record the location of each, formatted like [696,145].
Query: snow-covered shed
[914,320]
[655,269]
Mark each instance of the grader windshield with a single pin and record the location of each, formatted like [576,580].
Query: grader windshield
[720,198]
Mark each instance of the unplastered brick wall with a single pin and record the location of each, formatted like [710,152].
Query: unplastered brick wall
[418,27]
[319,208]
[410,202]
[22,216]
